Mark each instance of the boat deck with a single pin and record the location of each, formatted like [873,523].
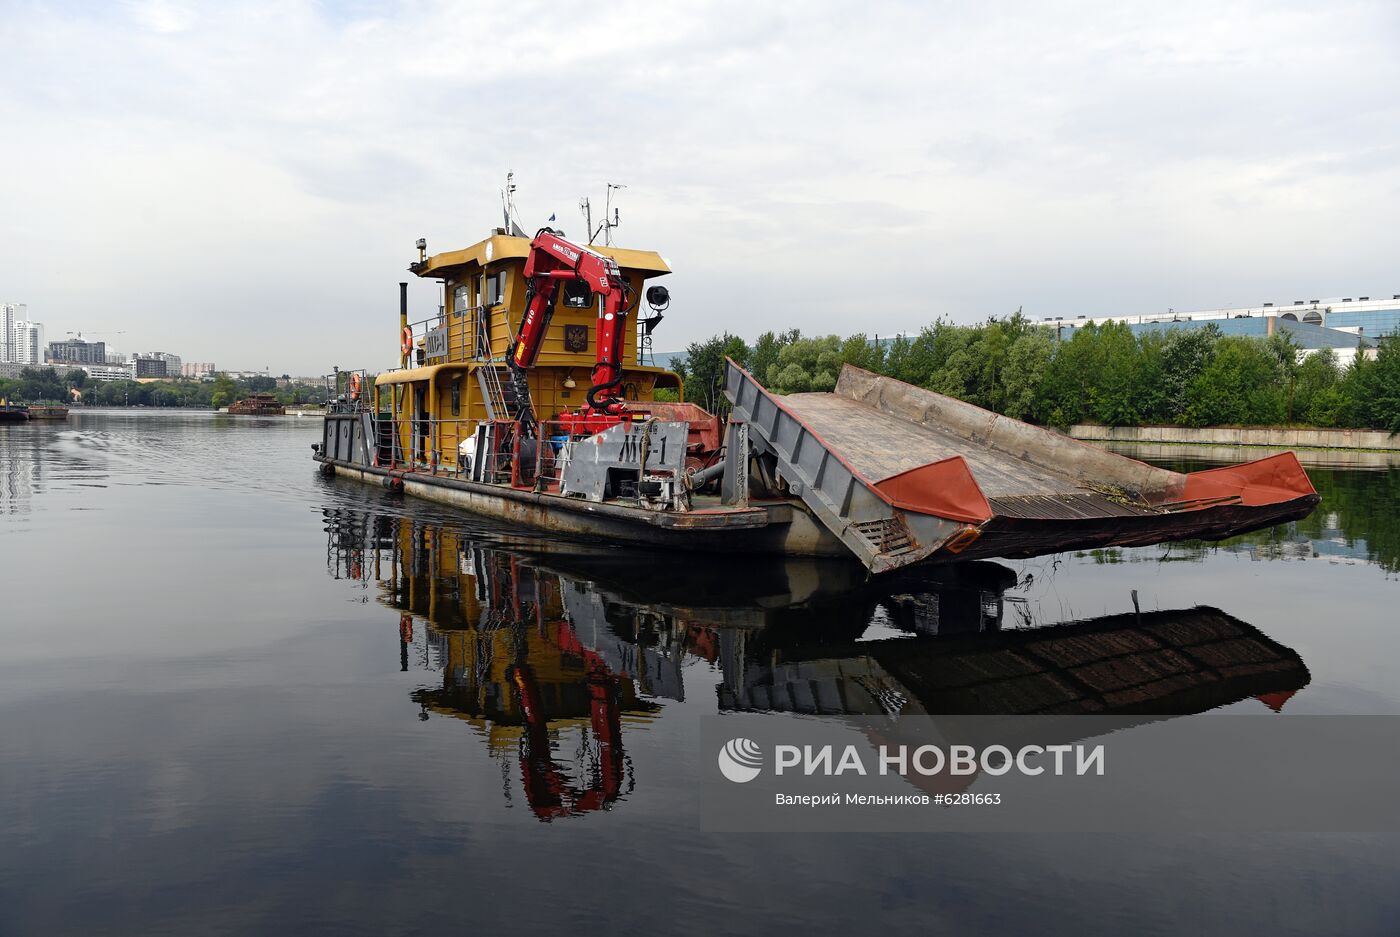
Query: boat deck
[879,445]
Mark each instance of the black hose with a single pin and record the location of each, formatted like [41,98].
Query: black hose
[594,390]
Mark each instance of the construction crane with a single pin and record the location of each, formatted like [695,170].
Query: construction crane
[79,334]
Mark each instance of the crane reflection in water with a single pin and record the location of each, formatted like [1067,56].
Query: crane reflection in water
[555,656]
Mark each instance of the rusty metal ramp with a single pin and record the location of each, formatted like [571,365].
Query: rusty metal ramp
[901,474]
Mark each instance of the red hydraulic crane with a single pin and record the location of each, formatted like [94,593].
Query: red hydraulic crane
[585,275]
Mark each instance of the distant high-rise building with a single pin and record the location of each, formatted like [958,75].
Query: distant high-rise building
[77,351]
[172,362]
[197,368]
[10,313]
[27,342]
[144,366]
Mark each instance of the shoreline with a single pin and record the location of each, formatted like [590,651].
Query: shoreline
[1345,440]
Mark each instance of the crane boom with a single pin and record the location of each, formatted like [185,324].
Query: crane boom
[586,275]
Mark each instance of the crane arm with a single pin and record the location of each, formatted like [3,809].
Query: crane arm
[553,260]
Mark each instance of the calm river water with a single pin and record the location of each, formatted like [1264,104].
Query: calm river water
[238,698]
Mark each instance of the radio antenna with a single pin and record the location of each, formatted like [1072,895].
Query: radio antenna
[611,219]
[508,207]
[610,222]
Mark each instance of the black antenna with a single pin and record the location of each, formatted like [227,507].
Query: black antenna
[609,224]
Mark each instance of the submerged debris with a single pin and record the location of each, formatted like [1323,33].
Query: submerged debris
[1120,495]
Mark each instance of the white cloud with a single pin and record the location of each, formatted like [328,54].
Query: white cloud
[244,182]
[161,16]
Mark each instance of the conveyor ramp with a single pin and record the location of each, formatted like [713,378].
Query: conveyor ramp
[900,474]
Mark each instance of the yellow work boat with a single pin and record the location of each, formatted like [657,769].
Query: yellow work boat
[529,395]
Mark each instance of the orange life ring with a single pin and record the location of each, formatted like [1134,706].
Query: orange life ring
[354,385]
[406,341]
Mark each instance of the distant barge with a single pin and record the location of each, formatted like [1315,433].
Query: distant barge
[13,413]
[879,470]
[257,405]
[48,411]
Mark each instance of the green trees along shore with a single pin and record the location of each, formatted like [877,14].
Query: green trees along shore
[44,384]
[1099,374]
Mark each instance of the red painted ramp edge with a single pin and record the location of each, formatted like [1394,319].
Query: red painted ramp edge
[1271,480]
[945,488]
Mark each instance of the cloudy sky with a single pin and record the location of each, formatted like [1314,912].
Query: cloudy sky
[243,183]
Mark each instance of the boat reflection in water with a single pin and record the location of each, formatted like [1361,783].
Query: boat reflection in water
[554,656]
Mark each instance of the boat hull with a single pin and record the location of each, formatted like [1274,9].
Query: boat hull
[786,528]
[1017,538]
[780,528]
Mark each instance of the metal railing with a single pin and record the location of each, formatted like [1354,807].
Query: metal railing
[446,446]
[348,391]
[533,462]
[470,327]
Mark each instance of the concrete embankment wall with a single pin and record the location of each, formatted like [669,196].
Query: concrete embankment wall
[1234,436]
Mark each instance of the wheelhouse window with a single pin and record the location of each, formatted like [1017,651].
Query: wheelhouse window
[457,397]
[495,288]
[462,301]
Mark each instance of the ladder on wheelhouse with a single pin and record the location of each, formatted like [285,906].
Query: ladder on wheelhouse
[497,393]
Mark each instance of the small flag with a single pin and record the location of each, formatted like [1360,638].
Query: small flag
[551,216]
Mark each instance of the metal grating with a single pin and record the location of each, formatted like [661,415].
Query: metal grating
[1068,507]
[886,535]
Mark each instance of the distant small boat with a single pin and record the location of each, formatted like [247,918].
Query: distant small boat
[48,411]
[257,405]
[12,413]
